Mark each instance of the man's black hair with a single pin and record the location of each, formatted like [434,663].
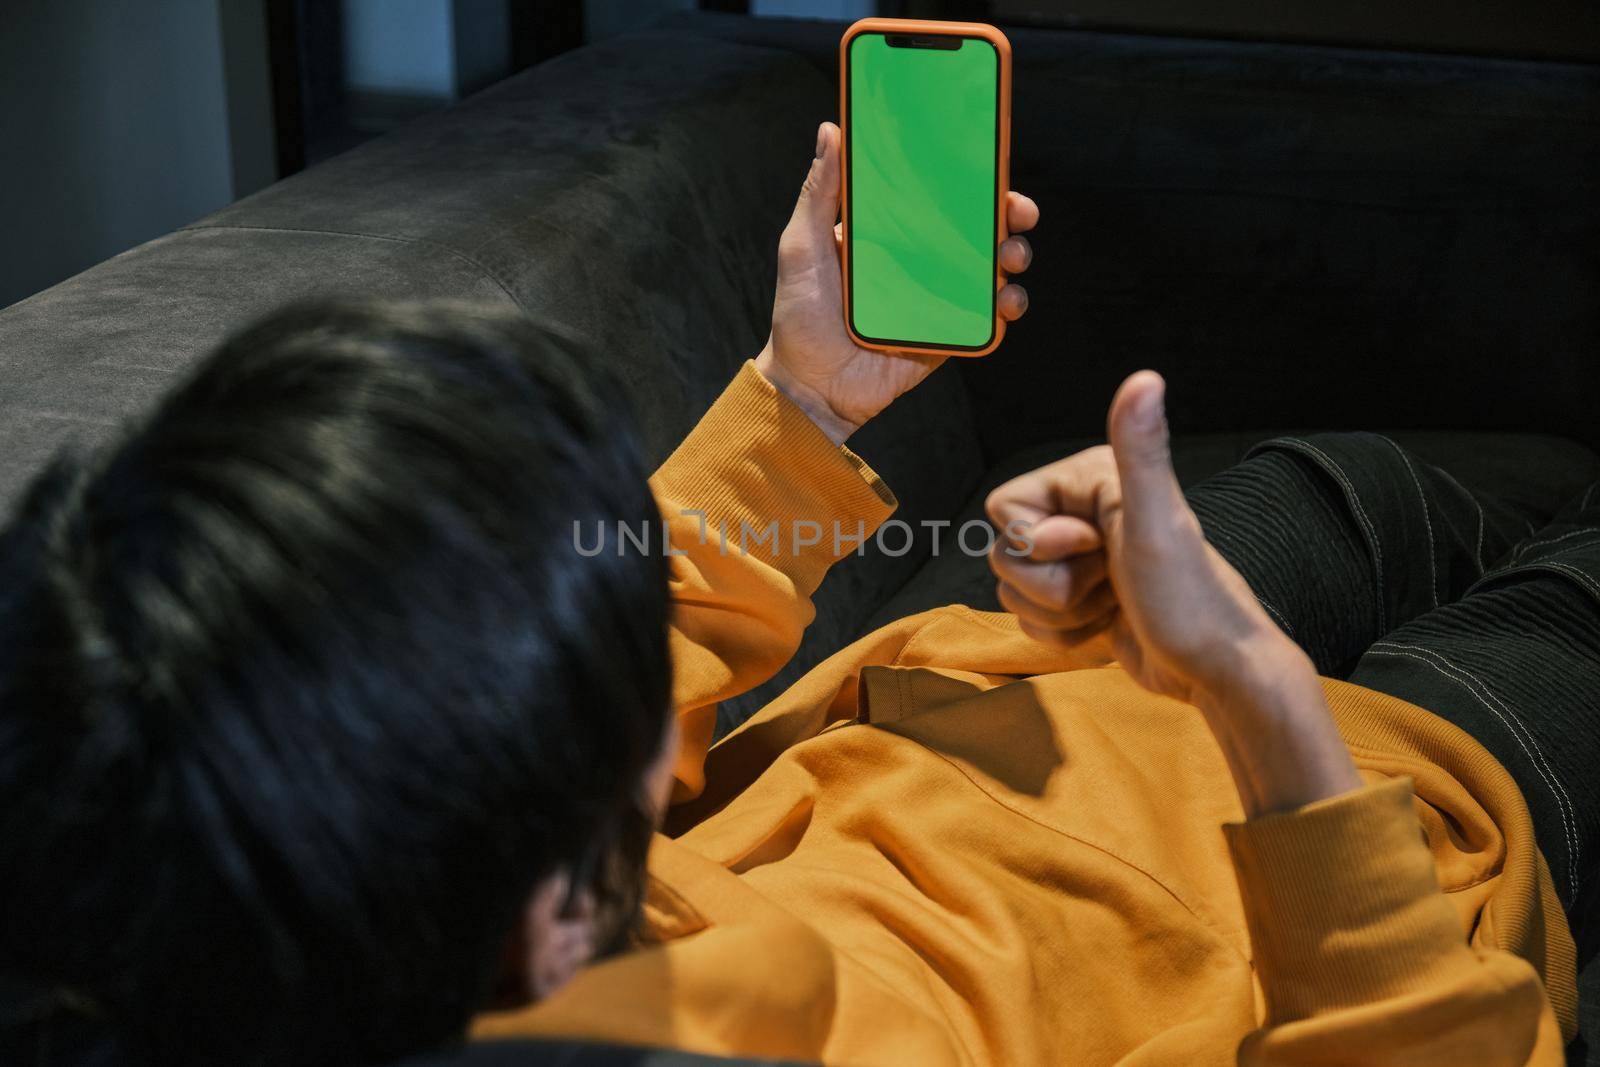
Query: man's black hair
[303,688]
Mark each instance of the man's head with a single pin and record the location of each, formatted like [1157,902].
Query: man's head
[315,731]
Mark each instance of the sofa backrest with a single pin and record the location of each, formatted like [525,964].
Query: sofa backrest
[633,191]
[1296,236]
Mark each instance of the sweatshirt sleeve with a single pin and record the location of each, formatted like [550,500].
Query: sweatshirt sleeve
[1360,957]
[758,504]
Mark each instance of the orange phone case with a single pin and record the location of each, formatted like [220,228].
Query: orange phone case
[1002,49]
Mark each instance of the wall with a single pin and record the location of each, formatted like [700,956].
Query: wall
[403,56]
[115,121]
[607,18]
[400,46]
[839,10]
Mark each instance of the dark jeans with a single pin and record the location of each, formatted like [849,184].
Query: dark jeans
[1392,574]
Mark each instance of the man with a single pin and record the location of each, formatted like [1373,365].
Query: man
[319,734]
[307,714]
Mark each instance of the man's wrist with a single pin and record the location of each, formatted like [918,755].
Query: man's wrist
[837,428]
[1271,719]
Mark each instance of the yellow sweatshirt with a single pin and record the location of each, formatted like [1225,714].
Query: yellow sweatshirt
[948,844]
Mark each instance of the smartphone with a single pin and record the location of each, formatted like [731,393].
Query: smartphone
[926,115]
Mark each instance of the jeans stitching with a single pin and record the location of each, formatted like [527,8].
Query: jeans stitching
[1276,614]
[1519,733]
[1530,748]
[1477,551]
[1565,550]
[1433,545]
[1529,546]
[1361,514]
[1581,578]
[1546,566]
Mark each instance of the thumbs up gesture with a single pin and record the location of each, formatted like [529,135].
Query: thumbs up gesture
[1115,546]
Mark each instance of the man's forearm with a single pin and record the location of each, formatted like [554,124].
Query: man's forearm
[837,428]
[750,479]
[1273,725]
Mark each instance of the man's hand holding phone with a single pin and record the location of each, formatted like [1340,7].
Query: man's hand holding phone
[810,356]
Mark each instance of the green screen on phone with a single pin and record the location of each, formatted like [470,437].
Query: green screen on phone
[923,158]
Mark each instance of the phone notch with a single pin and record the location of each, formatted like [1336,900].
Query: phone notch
[943,42]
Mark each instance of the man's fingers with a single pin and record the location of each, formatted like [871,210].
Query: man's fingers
[818,207]
[1152,501]
[1075,587]
[1022,214]
[1015,255]
[1095,608]
[1013,302]
[1013,601]
[1059,536]
[1069,638]
[1067,487]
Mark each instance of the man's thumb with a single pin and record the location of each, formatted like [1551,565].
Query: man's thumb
[1137,427]
[818,208]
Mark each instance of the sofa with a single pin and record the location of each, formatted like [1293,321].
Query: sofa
[1300,238]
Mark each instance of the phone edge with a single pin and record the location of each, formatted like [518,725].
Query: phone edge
[1002,47]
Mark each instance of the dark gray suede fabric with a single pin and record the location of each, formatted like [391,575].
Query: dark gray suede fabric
[633,190]
[80,358]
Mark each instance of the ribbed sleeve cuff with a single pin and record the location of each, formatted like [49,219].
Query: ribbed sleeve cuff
[1342,902]
[770,483]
